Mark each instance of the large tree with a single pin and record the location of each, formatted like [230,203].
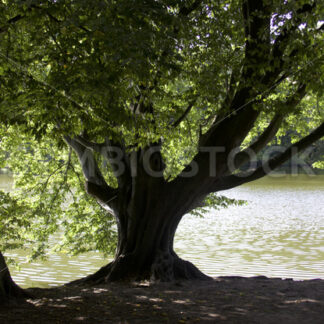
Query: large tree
[159,100]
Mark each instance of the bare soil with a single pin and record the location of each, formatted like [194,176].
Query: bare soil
[223,300]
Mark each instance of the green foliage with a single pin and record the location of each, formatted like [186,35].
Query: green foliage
[13,222]
[319,164]
[48,198]
[70,66]
[215,201]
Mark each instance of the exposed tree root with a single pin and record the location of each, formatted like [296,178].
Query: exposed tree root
[165,268]
[186,270]
[95,278]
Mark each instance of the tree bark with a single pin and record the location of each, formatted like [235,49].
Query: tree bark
[8,288]
[146,229]
[148,210]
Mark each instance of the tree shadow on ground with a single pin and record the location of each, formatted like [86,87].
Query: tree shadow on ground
[225,299]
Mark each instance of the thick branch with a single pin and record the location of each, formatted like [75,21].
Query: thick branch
[112,152]
[266,137]
[238,115]
[89,166]
[272,129]
[97,147]
[95,182]
[244,177]
[257,17]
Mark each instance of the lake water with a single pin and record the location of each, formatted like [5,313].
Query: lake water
[279,233]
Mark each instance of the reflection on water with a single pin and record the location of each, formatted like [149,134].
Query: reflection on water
[279,233]
[56,270]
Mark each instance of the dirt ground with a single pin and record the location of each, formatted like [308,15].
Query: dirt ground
[223,300]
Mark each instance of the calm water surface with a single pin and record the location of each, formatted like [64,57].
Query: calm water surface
[279,233]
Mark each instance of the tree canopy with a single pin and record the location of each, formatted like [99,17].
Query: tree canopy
[89,89]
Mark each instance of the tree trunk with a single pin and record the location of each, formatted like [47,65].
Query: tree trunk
[148,210]
[8,288]
[145,252]
[147,220]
